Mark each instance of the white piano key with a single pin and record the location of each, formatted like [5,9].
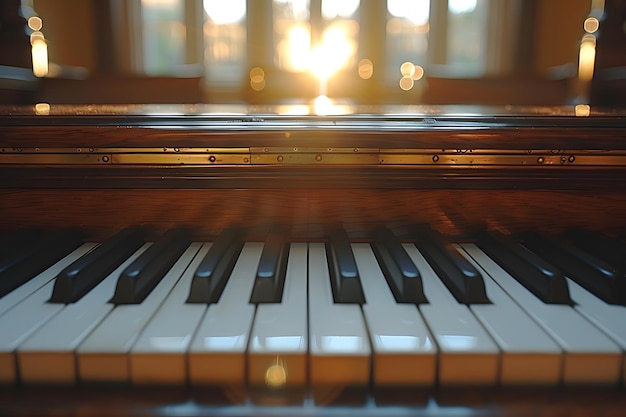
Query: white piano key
[277,354]
[608,317]
[48,355]
[339,345]
[217,355]
[103,355]
[529,355]
[467,353]
[19,323]
[404,352]
[25,313]
[590,356]
[160,354]
[24,290]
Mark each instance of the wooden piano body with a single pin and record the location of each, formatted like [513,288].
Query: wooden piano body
[459,170]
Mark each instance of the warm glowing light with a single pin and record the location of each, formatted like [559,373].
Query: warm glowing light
[42,109]
[591,25]
[225,12]
[332,54]
[257,79]
[461,6]
[407,69]
[587,58]
[418,73]
[322,105]
[299,44]
[299,9]
[416,11]
[35,23]
[582,110]
[39,52]
[366,69]
[332,9]
[36,36]
[257,74]
[406,83]
[257,85]
[276,375]
[160,3]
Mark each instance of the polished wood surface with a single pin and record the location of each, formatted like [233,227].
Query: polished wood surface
[307,212]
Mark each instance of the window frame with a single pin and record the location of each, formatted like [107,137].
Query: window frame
[504,31]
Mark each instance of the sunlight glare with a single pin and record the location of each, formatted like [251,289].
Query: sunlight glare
[299,45]
[39,50]
[225,12]
[461,6]
[586,60]
[322,105]
[332,54]
[332,9]
[416,11]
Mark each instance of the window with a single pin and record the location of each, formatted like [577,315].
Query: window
[291,45]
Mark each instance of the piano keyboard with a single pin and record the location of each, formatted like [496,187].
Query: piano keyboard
[309,330]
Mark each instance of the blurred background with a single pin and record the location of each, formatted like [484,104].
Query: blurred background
[495,52]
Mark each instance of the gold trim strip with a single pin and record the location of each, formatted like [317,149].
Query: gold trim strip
[310,156]
[180,159]
[315,156]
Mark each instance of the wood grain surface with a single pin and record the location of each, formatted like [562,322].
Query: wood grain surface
[307,213]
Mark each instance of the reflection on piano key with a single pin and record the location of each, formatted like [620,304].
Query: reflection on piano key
[339,344]
[344,275]
[18,294]
[210,278]
[587,270]
[461,278]
[48,355]
[590,356]
[404,352]
[529,355]
[277,353]
[84,274]
[25,309]
[610,318]
[103,355]
[136,281]
[399,270]
[217,355]
[467,354]
[270,275]
[159,354]
[536,275]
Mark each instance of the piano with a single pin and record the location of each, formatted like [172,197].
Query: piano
[271,260]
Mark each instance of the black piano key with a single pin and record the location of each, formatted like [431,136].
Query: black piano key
[15,246]
[612,251]
[463,280]
[401,273]
[214,270]
[590,272]
[270,276]
[141,276]
[344,275]
[36,257]
[85,273]
[538,276]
